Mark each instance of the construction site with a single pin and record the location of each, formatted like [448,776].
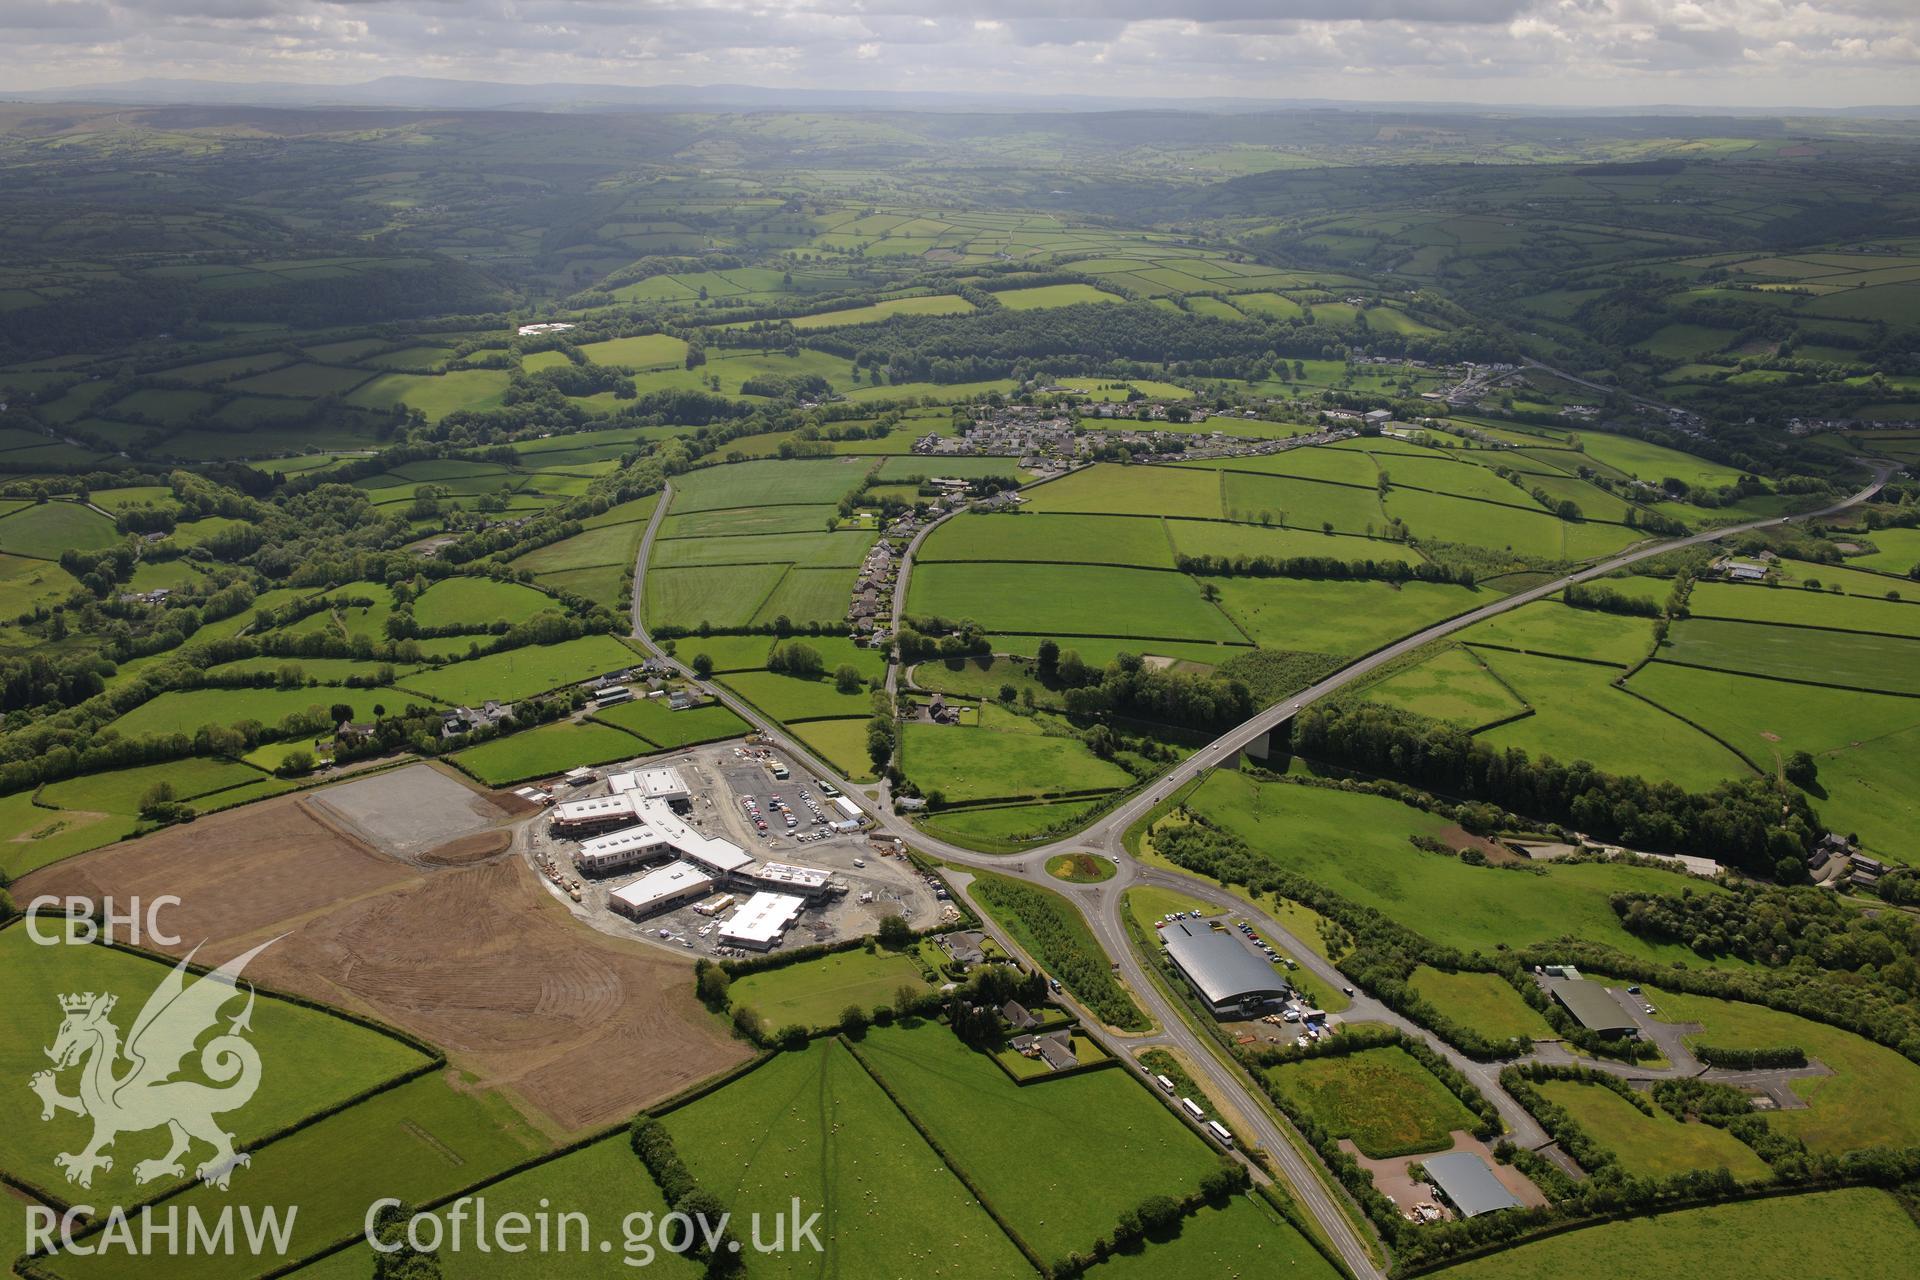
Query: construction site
[722,850]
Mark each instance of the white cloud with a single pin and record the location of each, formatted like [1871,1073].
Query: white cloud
[1749,52]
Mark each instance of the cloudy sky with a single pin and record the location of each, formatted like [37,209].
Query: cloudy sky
[1705,52]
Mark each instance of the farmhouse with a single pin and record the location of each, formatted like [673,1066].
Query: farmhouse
[1592,1007]
[663,887]
[1055,1048]
[1463,1180]
[964,945]
[1225,971]
[760,921]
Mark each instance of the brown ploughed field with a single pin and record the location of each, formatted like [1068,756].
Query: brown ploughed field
[582,1029]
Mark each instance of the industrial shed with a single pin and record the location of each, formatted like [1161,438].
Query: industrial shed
[1228,974]
[1592,1007]
[1464,1181]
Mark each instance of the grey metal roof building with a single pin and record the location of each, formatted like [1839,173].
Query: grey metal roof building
[1466,1183]
[1592,1007]
[1229,975]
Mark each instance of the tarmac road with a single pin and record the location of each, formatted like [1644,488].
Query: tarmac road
[1101,903]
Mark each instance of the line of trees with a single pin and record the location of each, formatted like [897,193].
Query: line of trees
[1754,824]
[1325,567]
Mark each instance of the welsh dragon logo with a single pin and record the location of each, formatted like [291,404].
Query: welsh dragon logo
[143,1094]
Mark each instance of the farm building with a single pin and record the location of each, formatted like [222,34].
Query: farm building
[1228,974]
[1463,1180]
[663,887]
[1592,1007]
[760,921]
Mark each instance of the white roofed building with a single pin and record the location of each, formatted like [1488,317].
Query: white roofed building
[579,817]
[663,887]
[664,784]
[622,850]
[809,882]
[760,921]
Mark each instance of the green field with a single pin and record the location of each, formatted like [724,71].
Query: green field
[1482,1002]
[313,1059]
[724,596]
[547,751]
[1356,845]
[1871,1099]
[841,743]
[813,1125]
[1060,1160]
[122,790]
[520,673]
[939,304]
[1121,540]
[1520,530]
[183,711]
[1898,550]
[1453,684]
[647,351]
[1547,626]
[605,1181]
[1126,490]
[44,530]
[819,549]
[767,483]
[615,544]
[1656,1145]
[1579,715]
[1753,1240]
[1247,1238]
[804,518]
[658,723]
[729,653]
[1346,618]
[1061,600]
[1653,463]
[815,992]
[1004,828]
[32,836]
[804,596]
[976,763]
[1217,538]
[791,698]
[1800,607]
[1303,504]
[1798,653]
[432,1140]
[1382,1098]
[1052,295]
[1863,743]
[435,395]
[478,603]
[1149,905]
